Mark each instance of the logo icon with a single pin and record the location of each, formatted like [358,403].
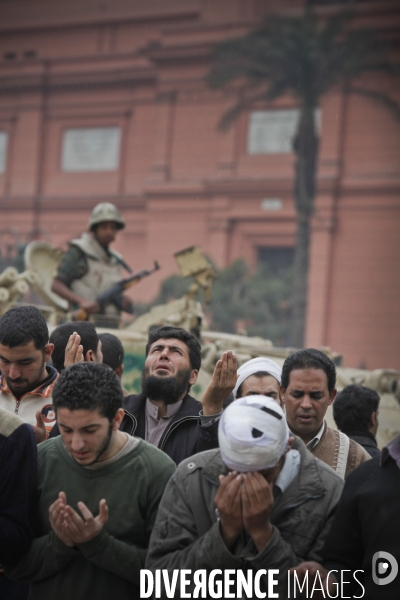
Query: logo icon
[48,413]
[384,568]
[48,416]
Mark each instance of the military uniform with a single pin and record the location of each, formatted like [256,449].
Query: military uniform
[88,269]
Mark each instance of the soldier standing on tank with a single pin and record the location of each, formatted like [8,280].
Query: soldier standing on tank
[90,267]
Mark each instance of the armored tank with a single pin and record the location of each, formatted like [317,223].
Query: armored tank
[41,260]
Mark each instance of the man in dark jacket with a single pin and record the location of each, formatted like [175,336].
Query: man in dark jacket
[363,545]
[165,414]
[355,411]
[17,496]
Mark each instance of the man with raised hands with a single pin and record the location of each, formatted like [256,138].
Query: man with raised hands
[259,375]
[164,412]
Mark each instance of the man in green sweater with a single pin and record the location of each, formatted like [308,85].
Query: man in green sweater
[98,495]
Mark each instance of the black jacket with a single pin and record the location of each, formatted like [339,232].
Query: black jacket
[17,487]
[366,440]
[184,435]
[366,523]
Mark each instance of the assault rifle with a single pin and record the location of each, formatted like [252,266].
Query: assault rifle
[114,294]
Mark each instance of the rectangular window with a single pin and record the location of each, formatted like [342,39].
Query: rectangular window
[3,150]
[272,131]
[278,259]
[90,149]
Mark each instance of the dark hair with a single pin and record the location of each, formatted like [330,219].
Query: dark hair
[21,325]
[60,335]
[112,349]
[184,336]
[88,386]
[259,374]
[309,358]
[353,407]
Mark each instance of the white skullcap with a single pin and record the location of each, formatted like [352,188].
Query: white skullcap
[254,366]
[253,434]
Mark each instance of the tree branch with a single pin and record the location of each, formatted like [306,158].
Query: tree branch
[380,97]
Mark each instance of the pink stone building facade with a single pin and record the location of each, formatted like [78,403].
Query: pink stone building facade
[129,75]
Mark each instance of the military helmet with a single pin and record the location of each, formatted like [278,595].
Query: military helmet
[105,211]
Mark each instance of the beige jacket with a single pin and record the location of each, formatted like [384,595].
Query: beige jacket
[338,451]
[104,271]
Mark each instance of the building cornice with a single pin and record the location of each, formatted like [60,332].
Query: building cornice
[45,74]
[357,194]
[69,203]
[22,15]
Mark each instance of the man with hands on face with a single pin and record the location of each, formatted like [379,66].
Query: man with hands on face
[261,501]
[98,493]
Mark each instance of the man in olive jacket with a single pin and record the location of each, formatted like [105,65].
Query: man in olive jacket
[262,501]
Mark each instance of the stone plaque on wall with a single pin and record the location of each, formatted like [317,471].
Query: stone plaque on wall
[91,149]
[272,131]
[3,150]
[271,204]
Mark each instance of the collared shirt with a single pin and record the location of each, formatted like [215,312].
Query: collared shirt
[316,439]
[29,403]
[155,425]
[290,469]
[393,450]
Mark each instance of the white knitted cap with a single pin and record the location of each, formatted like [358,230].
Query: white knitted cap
[253,434]
[254,366]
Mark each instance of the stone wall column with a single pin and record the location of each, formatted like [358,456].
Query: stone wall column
[319,278]
[161,167]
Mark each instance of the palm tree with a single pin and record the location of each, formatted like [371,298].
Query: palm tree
[306,58]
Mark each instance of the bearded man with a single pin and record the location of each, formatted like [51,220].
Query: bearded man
[165,414]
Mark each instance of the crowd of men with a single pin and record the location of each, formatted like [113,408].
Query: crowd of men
[98,485]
